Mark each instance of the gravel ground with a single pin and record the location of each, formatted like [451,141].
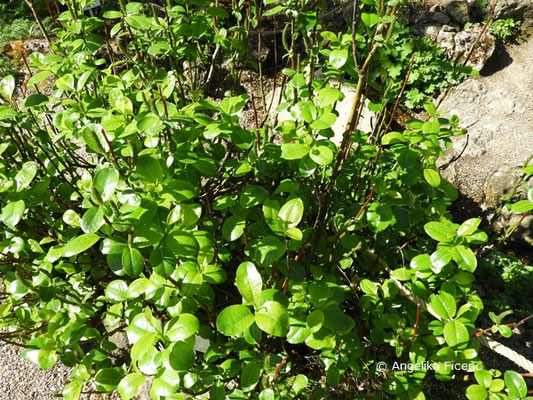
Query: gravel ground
[22,380]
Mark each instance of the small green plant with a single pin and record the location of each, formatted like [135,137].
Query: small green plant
[506,276]
[431,71]
[498,326]
[505,30]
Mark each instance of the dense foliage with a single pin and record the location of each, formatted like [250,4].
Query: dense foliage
[262,263]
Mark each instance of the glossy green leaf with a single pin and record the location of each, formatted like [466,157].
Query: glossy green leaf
[315,321]
[80,244]
[522,206]
[131,385]
[468,227]
[132,262]
[273,319]
[299,384]
[163,261]
[370,19]
[338,57]
[336,320]
[47,356]
[217,12]
[443,304]
[182,327]
[234,319]
[379,216]
[440,258]
[516,385]
[233,227]
[39,77]
[25,175]
[107,379]
[483,377]
[252,195]
[456,334]
[117,290]
[92,220]
[432,177]
[142,324]
[421,262]
[36,100]
[112,14]
[250,375]
[182,356]
[7,87]
[217,391]
[464,257]
[322,155]
[138,21]
[392,138]
[182,243]
[402,274]
[291,212]
[267,250]
[325,121]
[105,182]
[476,392]
[149,169]
[273,11]
[249,282]
[294,233]
[12,213]
[143,345]
[92,135]
[439,231]
[165,385]
[327,96]
[293,151]
[72,390]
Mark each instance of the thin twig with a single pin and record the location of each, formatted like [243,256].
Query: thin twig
[278,367]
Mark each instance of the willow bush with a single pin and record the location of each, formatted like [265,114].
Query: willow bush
[258,263]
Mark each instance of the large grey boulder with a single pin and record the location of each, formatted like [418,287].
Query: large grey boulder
[497,110]
[458,10]
[458,44]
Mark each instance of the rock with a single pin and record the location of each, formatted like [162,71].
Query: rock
[458,10]
[524,232]
[459,44]
[440,18]
[455,43]
[500,184]
[430,31]
[446,41]
[37,44]
[483,50]
[497,110]
[265,52]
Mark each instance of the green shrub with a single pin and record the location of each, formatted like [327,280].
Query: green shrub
[134,203]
